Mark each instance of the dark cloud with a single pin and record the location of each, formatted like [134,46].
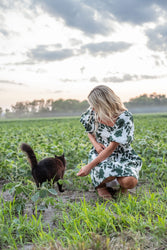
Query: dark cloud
[76,14]
[83,14]
[135,12]
[157,38]
[104,48]
[93,17]
[11,82]
[47,53]
[44,53]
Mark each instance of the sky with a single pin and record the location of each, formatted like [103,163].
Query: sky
[52,49]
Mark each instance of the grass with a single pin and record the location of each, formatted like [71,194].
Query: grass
[82,224]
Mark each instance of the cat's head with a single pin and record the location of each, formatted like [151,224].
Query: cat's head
[62,158]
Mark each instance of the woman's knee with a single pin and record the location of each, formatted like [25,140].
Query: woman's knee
[127,182]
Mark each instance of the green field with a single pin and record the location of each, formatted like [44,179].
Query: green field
[78,219]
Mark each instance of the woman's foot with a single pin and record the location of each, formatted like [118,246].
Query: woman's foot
[104,193]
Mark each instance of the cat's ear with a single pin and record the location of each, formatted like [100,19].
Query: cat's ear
[61,157]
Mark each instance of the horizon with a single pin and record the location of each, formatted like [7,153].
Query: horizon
[29,101]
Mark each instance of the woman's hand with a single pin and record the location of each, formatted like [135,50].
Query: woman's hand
[99,147]
[84,171]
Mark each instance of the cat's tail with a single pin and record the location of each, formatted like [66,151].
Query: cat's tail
[30,154]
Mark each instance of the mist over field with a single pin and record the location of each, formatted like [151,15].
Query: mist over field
[147,109]
[154,103]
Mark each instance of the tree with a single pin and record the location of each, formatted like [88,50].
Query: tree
[19,108]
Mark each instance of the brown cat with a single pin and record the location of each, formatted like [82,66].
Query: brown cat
[51,168]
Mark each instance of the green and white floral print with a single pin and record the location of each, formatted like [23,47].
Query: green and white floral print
[123,161]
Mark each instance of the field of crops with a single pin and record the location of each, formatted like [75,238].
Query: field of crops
[78,219]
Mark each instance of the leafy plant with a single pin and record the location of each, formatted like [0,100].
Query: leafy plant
[137,221]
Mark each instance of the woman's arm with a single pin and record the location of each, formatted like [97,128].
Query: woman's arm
[101,157]
[98,146]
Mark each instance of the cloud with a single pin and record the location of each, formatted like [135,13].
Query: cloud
[75,42]
[11,82]
[104,48]
[133,11]
[82,69]
[4,32]
[67,80]
[4,4]
[93,79]
[21,63]
[16,4]
[44,53]
[125,78]
[136,12]
[51,53]
[158,60]
[76,14]
[128,77]
[94,17]
[157,38]
[51,91]
[57,91]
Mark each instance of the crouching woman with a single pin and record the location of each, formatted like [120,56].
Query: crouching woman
[110,130]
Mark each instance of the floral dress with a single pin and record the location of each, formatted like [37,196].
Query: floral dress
[123,161]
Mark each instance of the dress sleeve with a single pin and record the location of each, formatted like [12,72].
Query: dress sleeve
[124,129]
[88,120]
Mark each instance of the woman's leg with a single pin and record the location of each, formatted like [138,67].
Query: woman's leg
[102,189]
[127,182]
[103,184]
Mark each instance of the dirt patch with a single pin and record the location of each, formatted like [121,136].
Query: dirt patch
[5,194]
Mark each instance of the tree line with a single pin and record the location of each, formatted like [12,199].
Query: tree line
[48,107]
[153,99]
[70,107]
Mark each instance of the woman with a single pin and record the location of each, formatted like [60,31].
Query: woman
[110,129]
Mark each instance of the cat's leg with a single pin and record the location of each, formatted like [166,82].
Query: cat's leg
[37,183]
[60,187]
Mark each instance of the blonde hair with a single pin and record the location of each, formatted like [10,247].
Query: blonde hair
[107,105]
